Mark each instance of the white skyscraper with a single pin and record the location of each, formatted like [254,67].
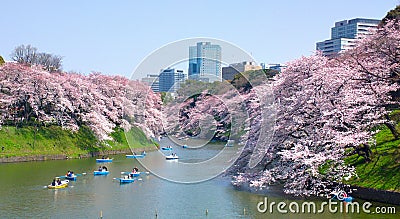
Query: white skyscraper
[344,34]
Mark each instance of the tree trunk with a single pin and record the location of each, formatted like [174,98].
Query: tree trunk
[392,127]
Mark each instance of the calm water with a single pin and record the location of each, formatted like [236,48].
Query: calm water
[22,192]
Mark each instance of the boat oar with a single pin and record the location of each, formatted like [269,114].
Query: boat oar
[127,173]
[78,174]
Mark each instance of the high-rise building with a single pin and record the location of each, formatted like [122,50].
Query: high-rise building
[170,80]
[344,34]
[205,62]
[152,80]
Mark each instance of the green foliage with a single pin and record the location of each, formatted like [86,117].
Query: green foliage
[382,172]
[191,87]
[1,60]
[249,79]
[395,115]
[241,81]
[118,135]
[324,168]
[391,15]
[166,97]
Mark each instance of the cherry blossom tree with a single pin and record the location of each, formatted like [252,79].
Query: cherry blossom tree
[31,95]
[325,106]
[378,56]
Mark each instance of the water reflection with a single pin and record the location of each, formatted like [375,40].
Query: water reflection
[23,194]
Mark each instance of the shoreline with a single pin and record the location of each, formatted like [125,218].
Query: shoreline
[367,194]
[29,158]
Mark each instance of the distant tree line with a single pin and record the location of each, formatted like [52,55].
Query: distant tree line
[392,15]
[31,56]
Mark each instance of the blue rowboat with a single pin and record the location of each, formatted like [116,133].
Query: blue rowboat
[341,196]
[125,180]
[101,172]
[104,160]
[230,143]
[135,174]
[73,177]
[134,156]
[166,148]
[132,174]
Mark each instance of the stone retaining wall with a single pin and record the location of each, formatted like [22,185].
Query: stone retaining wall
[64,157]
[388,197]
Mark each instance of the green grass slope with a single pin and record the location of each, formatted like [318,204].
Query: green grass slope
[383,171]
[53,140]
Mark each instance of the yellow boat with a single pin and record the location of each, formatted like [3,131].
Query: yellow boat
[64,184]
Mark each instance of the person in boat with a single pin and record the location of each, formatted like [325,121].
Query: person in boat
[104,168]
[100,168]
[59,181]
[54,182]
[68,173]
[103,157]
[134,170]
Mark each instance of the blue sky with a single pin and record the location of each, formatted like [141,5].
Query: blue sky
[114,38]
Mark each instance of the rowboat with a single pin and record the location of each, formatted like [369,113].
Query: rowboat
[63,184]
[134,156]
[172,157]
[184,146]
[166,148]
[101,160]
[125,180]
[101,172]
[135,174]
[230,143]
[73,177]
[341,196]
[132,174]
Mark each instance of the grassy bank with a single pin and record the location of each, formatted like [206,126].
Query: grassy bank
[383,171]
[53,140]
